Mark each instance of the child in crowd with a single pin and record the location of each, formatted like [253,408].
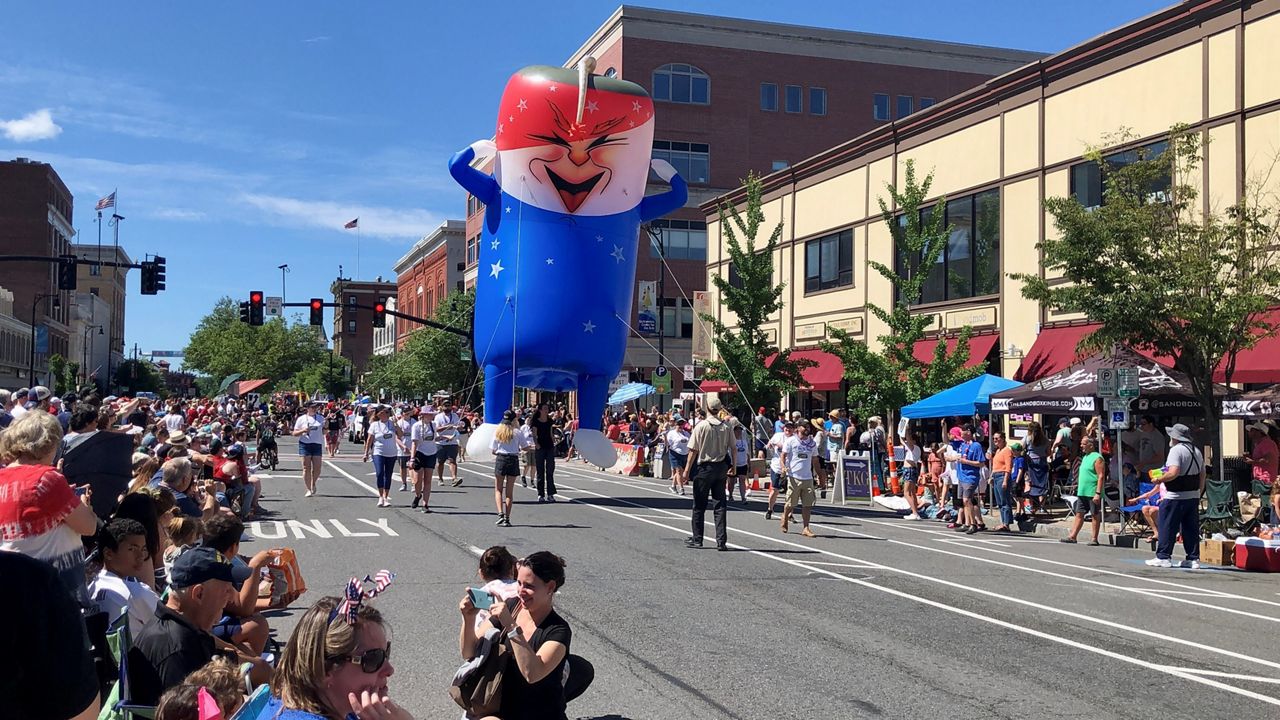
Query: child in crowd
[183,531]
[219,678]
[498,571]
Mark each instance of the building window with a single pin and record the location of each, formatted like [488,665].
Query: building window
[93,291]
[904,106]
[769,96]
[95,270]
[780,165]
[677,318]
[969,264]
[1087,182]
[691,160]
[880,106]
[682,239]
[735,280]
[828,262]
[611,73]
[473,249]
[474,205]
[351,299]
[795,99]
[351,327]
[817,101]
[681,84]
[926,102]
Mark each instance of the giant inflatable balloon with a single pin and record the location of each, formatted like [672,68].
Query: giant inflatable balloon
[557,261]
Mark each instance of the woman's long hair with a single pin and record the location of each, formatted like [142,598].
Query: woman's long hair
[504,432]
[1036,433]
[315,647]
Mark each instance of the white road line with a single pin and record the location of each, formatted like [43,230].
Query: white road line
[475,550]
[998,596]
[353,478]
[1232,676]
[967,613]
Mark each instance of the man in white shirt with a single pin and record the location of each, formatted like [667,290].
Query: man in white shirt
[116,588]
[19,404]
[797,456]
[777,471]
[446,425]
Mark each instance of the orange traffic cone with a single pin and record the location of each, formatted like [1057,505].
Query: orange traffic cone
[755,483]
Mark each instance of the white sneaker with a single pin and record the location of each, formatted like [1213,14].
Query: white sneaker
[912,516]
[308,494]
[1191,564]
[1157,562]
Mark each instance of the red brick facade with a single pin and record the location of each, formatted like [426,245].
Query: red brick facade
[431,269]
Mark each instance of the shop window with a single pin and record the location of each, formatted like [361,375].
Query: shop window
[1087,177]
[969,263]
[828,262]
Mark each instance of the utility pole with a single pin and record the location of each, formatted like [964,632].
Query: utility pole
[116,218]
[284,270]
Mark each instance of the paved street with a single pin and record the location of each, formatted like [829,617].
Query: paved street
[875,618]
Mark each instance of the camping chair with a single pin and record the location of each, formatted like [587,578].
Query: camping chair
[119,704]
[254,706]
[1130,514]
[1220,513]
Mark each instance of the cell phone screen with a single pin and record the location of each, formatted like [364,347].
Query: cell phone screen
[481,598]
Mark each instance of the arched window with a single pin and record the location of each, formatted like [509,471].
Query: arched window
[681,84]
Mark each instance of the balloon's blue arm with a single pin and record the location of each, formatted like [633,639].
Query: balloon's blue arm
[482,186]
[655,206]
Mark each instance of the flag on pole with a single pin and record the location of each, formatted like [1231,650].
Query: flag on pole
[106,202]
[348,226]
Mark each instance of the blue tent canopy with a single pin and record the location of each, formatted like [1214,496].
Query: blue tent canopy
[967,398]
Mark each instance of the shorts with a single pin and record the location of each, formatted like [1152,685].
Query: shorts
[424,462]
[226,628]
[776,481]
[968,491]
[332,435]
[404,462]
[445,453]
[679,460]
[306,449]
[801,490]
[910,475]
[506,465]
[743,471]
[528,456]
[1086,505]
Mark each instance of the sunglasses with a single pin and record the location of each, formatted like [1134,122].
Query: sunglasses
[370,661]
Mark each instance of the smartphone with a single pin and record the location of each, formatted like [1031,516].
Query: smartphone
[481,598]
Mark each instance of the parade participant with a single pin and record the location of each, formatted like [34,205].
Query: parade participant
[529,453]
[1182,480]
[797,457]
[505,446]
[333,425]
[383,442]
[307,429]
[741,463]
[544,460]
[677,441]
[404,423]
[911,461]
[540,639]
[447,425]
[1093,478]
[969,464]
[711,450]
[422,438]
[777,471]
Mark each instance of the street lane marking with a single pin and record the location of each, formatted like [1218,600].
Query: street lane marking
[967,613]
[1233,676]
[279,529]
[475,550]
[352,478]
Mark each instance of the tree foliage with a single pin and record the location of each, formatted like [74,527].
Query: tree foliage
[745,357]
[328,374]
[1157,272]
[222,345]
[134,376]
[431,359]
[883,380]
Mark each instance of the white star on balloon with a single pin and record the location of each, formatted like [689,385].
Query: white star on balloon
[508,208]
[495,268]
[552,88]
[522,105]
[551,261]
[599,238]
[511,118]
[589,327]
[494,245]
[635,105]
[500,125]
[592,106]
[617,253]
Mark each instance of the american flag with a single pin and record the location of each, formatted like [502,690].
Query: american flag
[106,202]
[348,226]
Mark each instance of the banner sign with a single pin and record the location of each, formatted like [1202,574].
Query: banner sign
[701,333]
[42,339]
[857,476]
[647,307]
[165,353]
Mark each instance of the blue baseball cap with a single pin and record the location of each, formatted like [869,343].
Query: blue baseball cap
[201,564]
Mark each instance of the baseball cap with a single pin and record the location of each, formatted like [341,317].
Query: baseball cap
[201,564]
[1075,421]
[39,393]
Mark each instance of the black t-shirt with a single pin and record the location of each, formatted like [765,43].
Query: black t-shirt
[542,432]
[543,700]
[335,422]
[45,667]
[167,650]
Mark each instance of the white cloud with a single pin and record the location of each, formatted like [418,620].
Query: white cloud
[375,221]
[168,213]
[38,125]
[316,39]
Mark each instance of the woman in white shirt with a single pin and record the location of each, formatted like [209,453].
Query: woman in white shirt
[678,450]
[423,438]
[309,431]
[741,463]
[383,443]
[505,446]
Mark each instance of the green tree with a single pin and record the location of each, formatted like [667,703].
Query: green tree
[744,356]
[884,380]
[431,359]
[329,374]
[222,345]
[134,376]
[63,374]
[1160,274]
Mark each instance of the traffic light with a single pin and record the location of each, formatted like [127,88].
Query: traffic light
[244,312]
[380,314]
[317,311]
[153,272]
[255,307]
[67,272]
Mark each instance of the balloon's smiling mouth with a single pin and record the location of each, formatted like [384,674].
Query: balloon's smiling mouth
[573,194]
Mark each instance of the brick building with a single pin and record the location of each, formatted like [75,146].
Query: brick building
[353,327]
[735,96]
[35,219]
[110,285]
[431,269]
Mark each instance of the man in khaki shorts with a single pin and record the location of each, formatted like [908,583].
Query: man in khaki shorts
[798,453]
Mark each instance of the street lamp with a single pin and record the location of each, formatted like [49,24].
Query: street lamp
[284,270]
[57,303]
[84,352]
[656,234]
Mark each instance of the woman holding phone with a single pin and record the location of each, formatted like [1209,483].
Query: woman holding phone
[505,447]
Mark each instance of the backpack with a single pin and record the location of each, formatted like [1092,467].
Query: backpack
[480,693]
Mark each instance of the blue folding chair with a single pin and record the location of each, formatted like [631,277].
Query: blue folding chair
[1130,513]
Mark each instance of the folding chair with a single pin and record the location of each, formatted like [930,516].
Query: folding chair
[254,706]
[1130,514]
[120,705]
[1220,513]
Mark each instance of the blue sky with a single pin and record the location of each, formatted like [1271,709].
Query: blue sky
[243,135]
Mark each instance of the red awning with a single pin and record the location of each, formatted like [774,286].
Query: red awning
[826,375]
[979,348]
[716,386]
[1055,349]
[248,386]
